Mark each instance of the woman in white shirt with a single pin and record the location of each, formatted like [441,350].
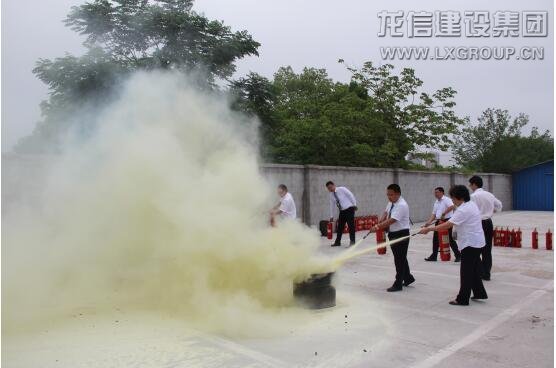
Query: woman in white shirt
[471,239]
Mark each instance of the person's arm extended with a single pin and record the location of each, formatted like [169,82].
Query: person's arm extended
[449,209]
[276,209]
[383,224]
[430,220]
[332,204]
[443,226]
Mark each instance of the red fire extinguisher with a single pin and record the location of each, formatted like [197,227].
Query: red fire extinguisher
[496,236]
[518,238]
[548,240]
[444,245]
[535,239]
[380,238]
[329,230]
[506,238]
[512,238]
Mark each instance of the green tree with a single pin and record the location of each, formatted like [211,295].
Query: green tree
[123,36]
[255,96]
[495,143]
[372,121]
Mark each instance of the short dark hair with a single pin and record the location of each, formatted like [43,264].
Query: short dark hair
[440,189]
[329,183]
[283,187]
[477,180]
[460,192]
[395,187]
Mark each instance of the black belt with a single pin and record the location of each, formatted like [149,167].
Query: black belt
[487,220]
[399,233]
[349,208]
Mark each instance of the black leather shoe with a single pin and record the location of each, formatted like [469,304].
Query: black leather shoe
[430,259]
[394,288]
[335,245]
[351,244]
[455,302]
[410,281]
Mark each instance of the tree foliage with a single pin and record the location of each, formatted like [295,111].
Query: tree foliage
[374,120]
[123,36]
[495,143]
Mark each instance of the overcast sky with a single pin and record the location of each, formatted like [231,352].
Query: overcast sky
[300,33]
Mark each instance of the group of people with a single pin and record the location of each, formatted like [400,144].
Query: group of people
[469,214]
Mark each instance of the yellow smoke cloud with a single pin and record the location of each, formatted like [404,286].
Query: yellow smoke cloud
[161,209]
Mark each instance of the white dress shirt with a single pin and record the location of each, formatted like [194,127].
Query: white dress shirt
[467,221]
[287,206]
[487,203]
[400,213]
[441,205]
[345,197]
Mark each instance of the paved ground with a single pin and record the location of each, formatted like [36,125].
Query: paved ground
[368,328]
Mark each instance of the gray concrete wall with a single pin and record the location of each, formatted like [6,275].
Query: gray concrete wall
[417,189]
[502,189]
[369,186]
[305,182]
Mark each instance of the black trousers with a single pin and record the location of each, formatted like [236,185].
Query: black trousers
[470,273]
[436,243]
[486,251]
[346,216]
[399,250]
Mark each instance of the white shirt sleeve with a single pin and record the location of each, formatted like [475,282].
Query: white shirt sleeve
[397,213]
[497,205]
[332,204]
[351,196]
[458,217]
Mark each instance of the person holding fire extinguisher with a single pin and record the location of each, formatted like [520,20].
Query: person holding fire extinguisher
[285,209]
[471,240]
[487,204]
[442,210]
[396,220]
[344,200]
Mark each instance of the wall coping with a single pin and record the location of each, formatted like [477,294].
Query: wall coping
[8,155]
[373,169]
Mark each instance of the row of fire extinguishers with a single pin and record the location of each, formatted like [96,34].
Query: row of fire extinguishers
[361,223]
[513,239]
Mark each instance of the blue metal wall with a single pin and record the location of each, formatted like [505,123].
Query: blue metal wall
[533,188]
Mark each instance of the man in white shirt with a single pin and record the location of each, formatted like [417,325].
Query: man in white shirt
[286,208]
[487,204]
[342,199]
[396,219]
[442,210]
[471,241]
